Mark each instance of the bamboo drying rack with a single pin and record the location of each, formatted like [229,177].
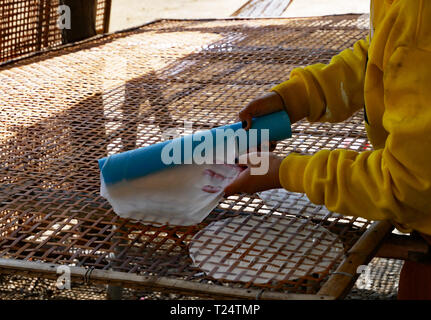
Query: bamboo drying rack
[28,26]
[67,107]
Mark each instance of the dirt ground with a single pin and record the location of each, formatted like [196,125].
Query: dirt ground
[129,13]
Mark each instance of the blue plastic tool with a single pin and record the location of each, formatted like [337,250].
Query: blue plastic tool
[140,162]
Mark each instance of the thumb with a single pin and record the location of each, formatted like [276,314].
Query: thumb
[237,185]
[252,159]
[247,120]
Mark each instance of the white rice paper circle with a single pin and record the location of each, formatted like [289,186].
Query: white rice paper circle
[264,248]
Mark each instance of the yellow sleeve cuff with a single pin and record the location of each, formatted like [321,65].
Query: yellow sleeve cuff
[291,172]
[294,95]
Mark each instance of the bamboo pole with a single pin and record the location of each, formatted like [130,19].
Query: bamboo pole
[49,270]
[107,16]
[342,280]
[40,21]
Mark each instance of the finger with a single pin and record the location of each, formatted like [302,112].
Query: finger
[248,122]
[238,184]
[242,166]
[244,159]
[246,117]
[252,159]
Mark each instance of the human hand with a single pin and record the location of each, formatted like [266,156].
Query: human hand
[266,104]
[247,182]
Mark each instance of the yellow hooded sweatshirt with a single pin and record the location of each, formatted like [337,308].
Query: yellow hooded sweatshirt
[389,73]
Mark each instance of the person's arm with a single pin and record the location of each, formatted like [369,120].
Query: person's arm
[391,183]
[327,93]
[320,92]
[308,91]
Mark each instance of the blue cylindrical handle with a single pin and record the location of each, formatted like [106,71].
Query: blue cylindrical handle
[143,161]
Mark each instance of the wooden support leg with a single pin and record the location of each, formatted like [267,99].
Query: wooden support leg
[415,277]
[114,292]
[83,20]
[415,281]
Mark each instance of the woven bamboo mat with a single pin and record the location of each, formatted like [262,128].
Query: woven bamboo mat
[64,109]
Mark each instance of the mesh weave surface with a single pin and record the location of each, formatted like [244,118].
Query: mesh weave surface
[28,26]
[63,110]
[261,249]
